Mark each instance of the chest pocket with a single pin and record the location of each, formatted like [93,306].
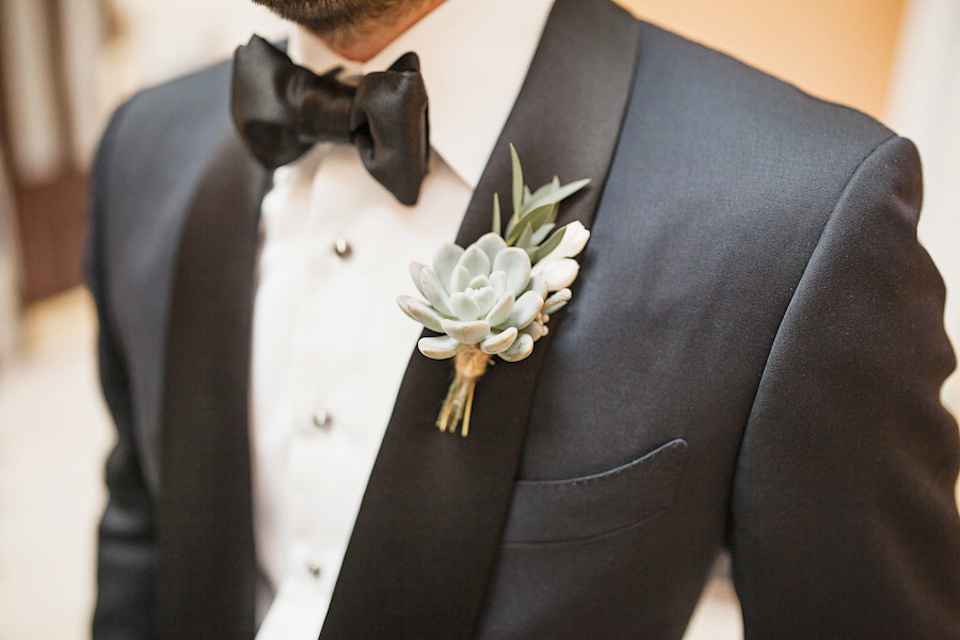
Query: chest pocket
[590,506]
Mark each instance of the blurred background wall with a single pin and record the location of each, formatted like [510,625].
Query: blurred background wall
[66,64]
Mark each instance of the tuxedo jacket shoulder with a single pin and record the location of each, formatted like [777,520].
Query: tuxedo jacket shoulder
[753,358]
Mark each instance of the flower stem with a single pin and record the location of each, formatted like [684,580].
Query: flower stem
[466,411]
[469,364]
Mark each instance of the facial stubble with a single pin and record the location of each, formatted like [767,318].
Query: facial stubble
[341,17]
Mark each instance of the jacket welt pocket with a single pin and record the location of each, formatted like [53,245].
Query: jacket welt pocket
[580,508]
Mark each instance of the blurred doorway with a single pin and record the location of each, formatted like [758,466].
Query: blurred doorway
[47,98]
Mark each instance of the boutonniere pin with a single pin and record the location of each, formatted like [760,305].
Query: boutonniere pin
[496,296]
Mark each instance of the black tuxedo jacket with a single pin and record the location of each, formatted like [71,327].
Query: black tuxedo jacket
[752,359]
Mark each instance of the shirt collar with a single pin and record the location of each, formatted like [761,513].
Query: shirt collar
[474,56]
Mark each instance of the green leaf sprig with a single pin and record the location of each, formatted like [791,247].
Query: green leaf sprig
[534,213]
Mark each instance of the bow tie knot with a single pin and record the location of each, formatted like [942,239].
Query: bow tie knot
[281,110]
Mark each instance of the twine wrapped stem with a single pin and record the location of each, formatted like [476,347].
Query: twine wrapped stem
[469,364]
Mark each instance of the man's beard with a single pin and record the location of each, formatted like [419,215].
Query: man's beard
[337,16]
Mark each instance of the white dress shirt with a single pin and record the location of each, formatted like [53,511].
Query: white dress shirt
[330,345]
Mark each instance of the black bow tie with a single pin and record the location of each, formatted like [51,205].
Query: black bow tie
[281,110]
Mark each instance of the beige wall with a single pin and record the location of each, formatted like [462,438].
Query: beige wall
[841,50]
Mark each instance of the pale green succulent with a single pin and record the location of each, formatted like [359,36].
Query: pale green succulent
[494,293]
[482,295]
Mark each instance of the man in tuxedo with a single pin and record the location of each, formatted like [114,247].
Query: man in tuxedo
[752,357]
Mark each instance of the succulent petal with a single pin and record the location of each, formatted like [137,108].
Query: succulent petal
[480,282]
[466,332]
[434,293]
[502,309]
[443,263]
[419,311]
[415,269]
[498,280]
[556,301]
[574,240]
[475,261]
[526,309]
[499,342]
[460,279]
[485,298]
[538,284]
[520,349]
[464,307]
[515,263]
[535,330]
[559,274]
[438,348]
[492,244]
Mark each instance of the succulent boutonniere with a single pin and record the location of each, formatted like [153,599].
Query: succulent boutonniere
[496,296]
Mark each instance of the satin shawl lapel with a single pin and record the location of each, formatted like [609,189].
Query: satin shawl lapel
[428,530]
[205,574]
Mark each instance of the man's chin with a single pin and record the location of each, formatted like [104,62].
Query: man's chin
[330,16]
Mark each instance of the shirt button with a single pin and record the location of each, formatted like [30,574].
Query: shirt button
[321,419]
[314,570]
[342,248]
